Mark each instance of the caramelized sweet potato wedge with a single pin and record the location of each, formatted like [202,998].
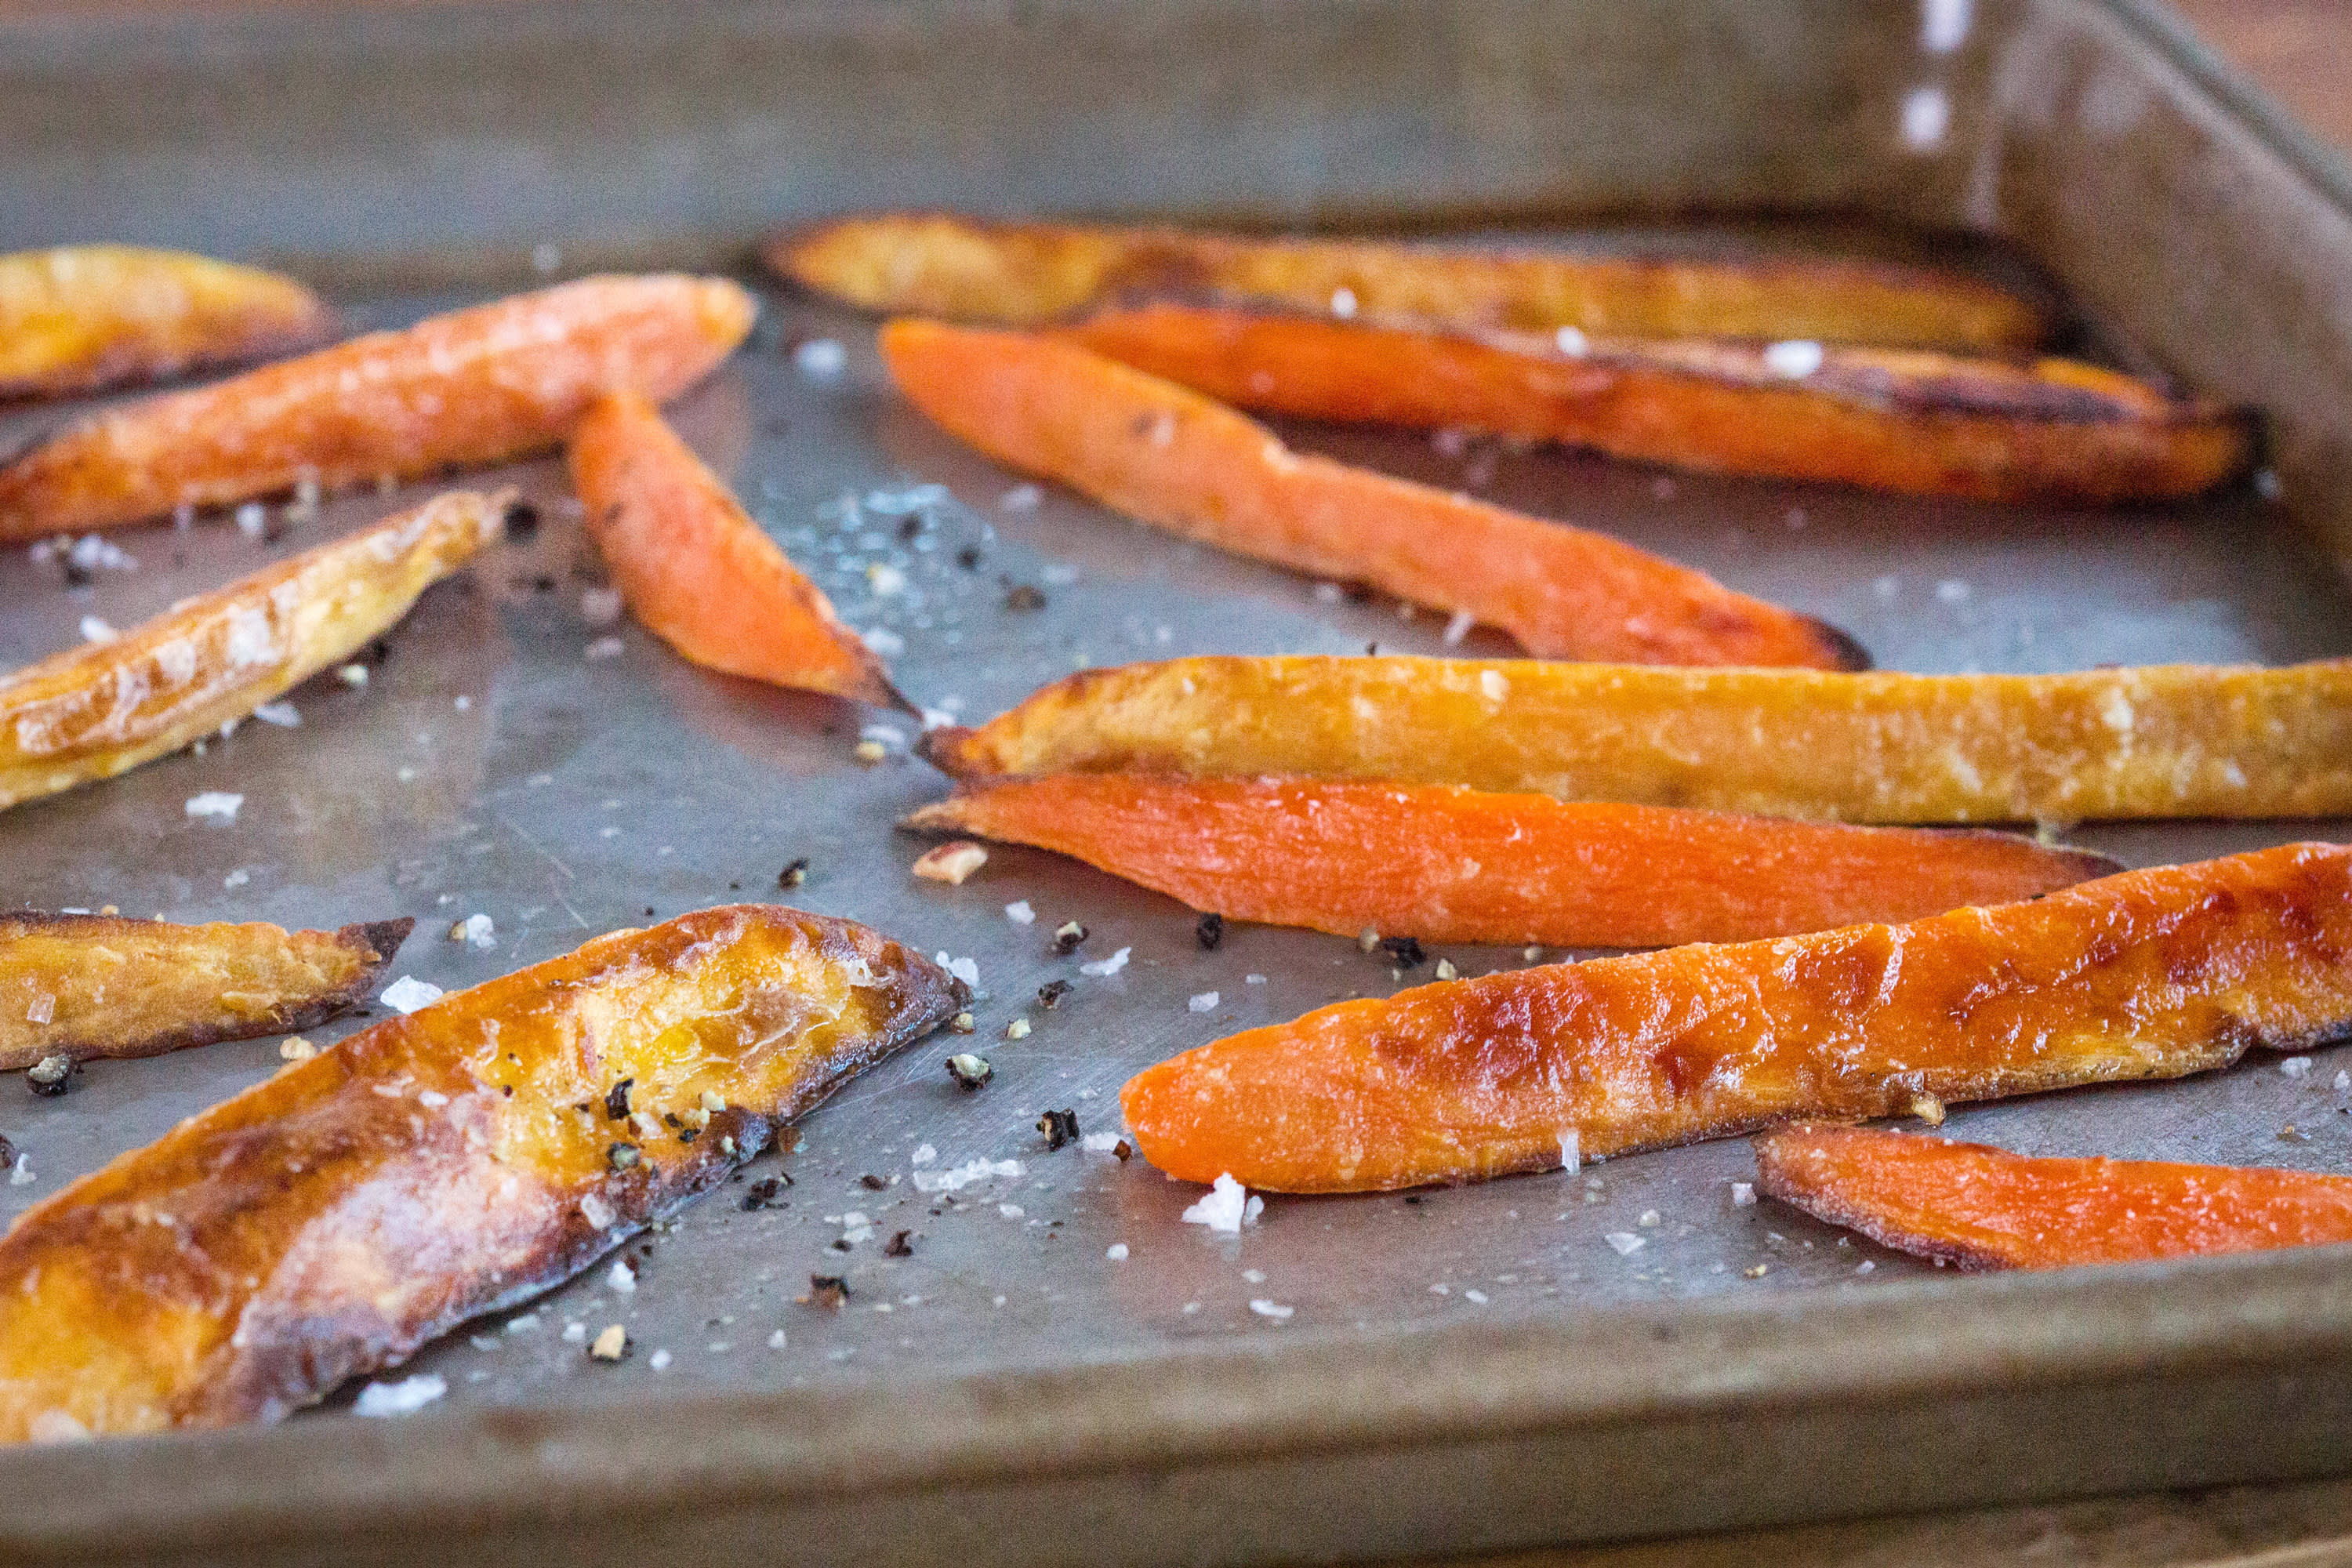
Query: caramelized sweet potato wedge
[85,317]
[1459,865]
[1179,461]
[334,1218]
[94,712]
[473,387]
[1892,419]
[1981,1207]
[1030,274]
[698,572]
[98,985]
[2160,740]
[2153,973]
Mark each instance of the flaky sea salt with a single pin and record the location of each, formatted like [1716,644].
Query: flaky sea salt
[1625,1242]
[218,805]
[923,1155]
[1795,358]
[1111,965]
[821,359]
[477,932]
[964,969]
[2296,1067]
[20,1175]
[94,628]
[955,1178]
[621,1278]
[1224,1207]
[1115,1252]
[1573,342]
[1275,1309]
[405,1397]
[1099,1142]
[1458,627]
[285,715]
[1572,1151]
[600,606]
[1206,1002]
[1020,913]
[1743,1194]
[407,993]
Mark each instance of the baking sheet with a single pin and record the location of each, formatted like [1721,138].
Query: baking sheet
[1479,1366]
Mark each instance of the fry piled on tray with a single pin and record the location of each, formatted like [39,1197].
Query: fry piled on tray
[2154,974]
[1179,461]
[85,317]
[700,573]
[334,1218]
[101,710]
[1034,274]
[1987,1208]
[81,986]
[478,385]
[1453,865]
[1892,419]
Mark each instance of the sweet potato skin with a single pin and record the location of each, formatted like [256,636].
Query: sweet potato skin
[83,318]
[477,385]
[937,264]
[1179,461]
[1981,1207]
[2161,741]
[115,988]
[334,1218]
[698,571]
[1923,423]
[94,712]
[2151,973]
[1459,865]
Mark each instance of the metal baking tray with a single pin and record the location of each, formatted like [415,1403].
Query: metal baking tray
[1460,1369]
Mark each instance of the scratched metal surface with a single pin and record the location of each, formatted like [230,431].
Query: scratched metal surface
[506,759]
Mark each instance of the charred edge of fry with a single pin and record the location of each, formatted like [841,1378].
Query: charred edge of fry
[1843,646]
[374,943]
[1776,1178]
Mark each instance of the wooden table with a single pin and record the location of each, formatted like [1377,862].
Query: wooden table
[2300,51]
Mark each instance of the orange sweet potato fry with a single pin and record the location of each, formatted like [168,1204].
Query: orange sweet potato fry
[1182,462]
[99,985]
[2053,431]
[333,1219]
[1982,1208]
[473,387]
[103,709]
[2153,973]
[2163,741]
[85,317]
[1029,274]
[1458,866]
[700,572]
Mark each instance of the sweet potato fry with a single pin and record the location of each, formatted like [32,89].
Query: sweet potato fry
[96,985]
[700,572]
[1030,274]
[2054,431]
[1181,462]
[2153,973]
[1982,1208]
[2160,740]
[473,387]
[94,712]
[334,1218]
[85,317]
[1455,865]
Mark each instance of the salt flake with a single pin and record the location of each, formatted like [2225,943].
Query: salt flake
[1111,965]
[1224,1207]
[215,802]
[407,993]
[405,1397]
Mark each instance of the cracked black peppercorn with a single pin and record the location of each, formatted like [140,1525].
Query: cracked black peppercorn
[794,875]
[899,1246]
[1211,931]
[1067,939]
[1059,1127]
[1405,950]
[1050,994]
[827,1291]
[617,1100]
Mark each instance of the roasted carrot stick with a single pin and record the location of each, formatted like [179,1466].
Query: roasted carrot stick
[2155,741]
[99,985]
[101,710]
[2152,973]
[335,1218]
[1455,865]
[84,317]
[1181,462]
[1982,1208]
[698,571]
[1029,274]
[475,386]
[1891,419]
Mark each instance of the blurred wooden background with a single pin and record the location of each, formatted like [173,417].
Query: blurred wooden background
[2299,50]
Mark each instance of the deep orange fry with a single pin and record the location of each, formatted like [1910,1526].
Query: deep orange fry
[1458,866]
[697,571]
[2153,973]
[939,264]
[473,387]
[84,317]
[1982,1208]
[1892,419]
[1181,462]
